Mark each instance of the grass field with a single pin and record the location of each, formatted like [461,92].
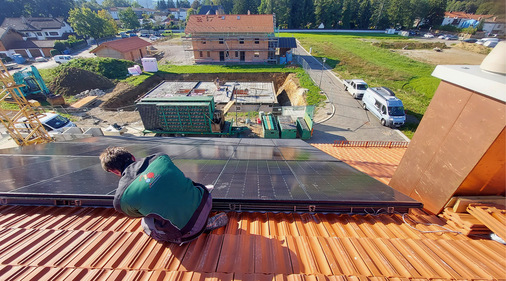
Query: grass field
[355,56]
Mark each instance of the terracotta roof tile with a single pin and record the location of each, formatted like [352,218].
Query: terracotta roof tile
[230,23]
[50,243]
[123,45]
[378,162]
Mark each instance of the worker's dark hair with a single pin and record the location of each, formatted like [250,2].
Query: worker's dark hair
[116,158]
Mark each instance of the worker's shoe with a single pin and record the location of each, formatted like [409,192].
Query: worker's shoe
[217,221]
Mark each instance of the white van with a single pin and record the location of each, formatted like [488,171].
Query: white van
[383,104]
[62,58]
[52,122]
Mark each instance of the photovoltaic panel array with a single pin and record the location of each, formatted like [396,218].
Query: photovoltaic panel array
[247,174]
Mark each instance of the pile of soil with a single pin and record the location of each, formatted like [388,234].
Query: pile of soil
[73,81]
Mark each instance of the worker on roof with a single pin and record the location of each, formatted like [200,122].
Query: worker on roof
[173,207]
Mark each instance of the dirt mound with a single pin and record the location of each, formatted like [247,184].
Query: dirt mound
[73,81]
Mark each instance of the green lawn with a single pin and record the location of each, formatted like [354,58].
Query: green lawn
[354,56]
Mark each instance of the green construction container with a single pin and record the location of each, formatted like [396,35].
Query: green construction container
[270,127]
[287,127]
[177,115]
[303,129]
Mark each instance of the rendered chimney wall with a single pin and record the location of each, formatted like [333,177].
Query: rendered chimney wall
[459,147]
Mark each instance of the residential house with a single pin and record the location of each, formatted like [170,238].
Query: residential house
[492,26]
[211,10]
[463,19]
[234,39]
[133,48]
[39,28]
[138,12]
[14,42]
[179,13]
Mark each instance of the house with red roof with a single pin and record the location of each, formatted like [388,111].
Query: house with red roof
[235,39]
[133,48]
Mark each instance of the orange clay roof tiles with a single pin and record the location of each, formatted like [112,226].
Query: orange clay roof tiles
[124,45]
[230,24]
[378,162]
[58,243]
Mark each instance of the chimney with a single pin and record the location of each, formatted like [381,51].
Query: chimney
[249,13]
[217,12]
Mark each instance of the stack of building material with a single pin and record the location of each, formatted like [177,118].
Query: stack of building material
[465,223]
[492,216]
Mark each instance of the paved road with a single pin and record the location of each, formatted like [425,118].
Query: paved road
[348,121]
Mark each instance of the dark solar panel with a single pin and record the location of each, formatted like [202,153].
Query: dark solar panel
[250,174]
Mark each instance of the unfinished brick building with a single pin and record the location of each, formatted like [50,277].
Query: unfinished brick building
[235,39]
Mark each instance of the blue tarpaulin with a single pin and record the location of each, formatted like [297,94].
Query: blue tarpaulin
[468,23]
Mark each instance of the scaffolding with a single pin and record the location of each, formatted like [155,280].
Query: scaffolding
[23,125]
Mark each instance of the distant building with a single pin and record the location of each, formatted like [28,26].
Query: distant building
[13,42]
[211,10]
[138,12]
[463,19]
[179,13]
[236,39]
[494,27]
[133,48]
[39,28]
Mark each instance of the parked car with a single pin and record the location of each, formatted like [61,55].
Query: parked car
[470,40]
[52,122]
[490,44]
[483,40]
[153,38]
[356,87]
[442,36]
[123,35]
[451,37]
[428,35]
[62,58]
[133,34]
[40,59]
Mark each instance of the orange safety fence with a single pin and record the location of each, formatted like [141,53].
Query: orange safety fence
[389,144]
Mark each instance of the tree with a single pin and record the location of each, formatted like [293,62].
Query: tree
[227,5]
[184,4]
[128,18]
[364,14]
[110,27]
[115,3]
[170,4]
[47,8]
[91,4]
[135,4]
[436,12]
[196,5]
[87,23]
[190,12]
[161,5]
[10,8]
[240,7]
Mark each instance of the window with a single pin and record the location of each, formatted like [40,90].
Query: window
[257,40]
[241,40]
[203,41]
[53,33]
[39,33]
[256,54]
[201,55]
[236,54]
[377,104]
[221,41]
[208,54]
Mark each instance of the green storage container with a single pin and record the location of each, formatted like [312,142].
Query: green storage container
[270,127]
[287,127]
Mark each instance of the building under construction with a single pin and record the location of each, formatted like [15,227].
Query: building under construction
[236,39]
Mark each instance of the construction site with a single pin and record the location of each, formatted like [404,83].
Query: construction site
[430,209]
